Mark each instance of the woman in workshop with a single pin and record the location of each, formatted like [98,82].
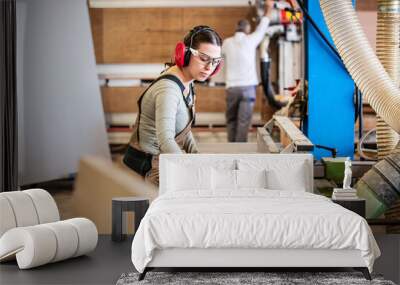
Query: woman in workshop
[166,108]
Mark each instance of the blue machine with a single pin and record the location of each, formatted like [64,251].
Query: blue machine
[331,110]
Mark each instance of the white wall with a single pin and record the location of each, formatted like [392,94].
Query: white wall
[59,103]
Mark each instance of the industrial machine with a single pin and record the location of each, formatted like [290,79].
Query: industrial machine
[285,37]
[341,70]
[377,78]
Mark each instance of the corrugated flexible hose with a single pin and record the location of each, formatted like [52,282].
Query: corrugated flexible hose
[360,60]
[388,52]
[380,185]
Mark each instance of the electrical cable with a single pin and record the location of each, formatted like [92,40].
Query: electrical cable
[359,114]
[355,103]
[305,12]
[360,121]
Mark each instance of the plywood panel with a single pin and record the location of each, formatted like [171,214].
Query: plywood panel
[144,19]
[140,35]
[149,35]
[223,19]
[121,99]
[96,25]
[140,47]
[208,99]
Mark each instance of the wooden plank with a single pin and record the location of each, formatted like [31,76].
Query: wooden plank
[265,144]
[300,141]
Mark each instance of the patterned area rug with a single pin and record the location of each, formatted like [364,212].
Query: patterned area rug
[231,278]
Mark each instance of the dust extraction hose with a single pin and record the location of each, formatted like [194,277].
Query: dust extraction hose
[360,60]
[264,72]
[388,52]
[378,89]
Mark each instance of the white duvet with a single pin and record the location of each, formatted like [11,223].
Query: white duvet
[252,218]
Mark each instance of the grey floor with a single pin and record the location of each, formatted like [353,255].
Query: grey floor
[111,259]
[389,263]
[103,266]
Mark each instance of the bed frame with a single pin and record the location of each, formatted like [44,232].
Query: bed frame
[244,259]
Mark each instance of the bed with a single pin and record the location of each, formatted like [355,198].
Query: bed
[247,210]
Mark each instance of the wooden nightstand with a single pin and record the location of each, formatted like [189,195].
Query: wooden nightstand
[356,205]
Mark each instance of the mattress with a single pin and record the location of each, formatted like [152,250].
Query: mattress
[251,219]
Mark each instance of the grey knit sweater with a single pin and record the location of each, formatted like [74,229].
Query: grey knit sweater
[164,115]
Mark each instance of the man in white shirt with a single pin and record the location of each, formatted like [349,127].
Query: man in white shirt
[241,78]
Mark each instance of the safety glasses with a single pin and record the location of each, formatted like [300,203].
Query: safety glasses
[206,59]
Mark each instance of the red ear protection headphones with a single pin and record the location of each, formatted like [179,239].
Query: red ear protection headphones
[182,52]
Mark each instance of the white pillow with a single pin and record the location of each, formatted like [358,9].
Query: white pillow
[291,180]
[184,177]
[223,179]
[281,174]
[251,178]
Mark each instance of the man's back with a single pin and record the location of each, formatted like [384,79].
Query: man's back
[240,56]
